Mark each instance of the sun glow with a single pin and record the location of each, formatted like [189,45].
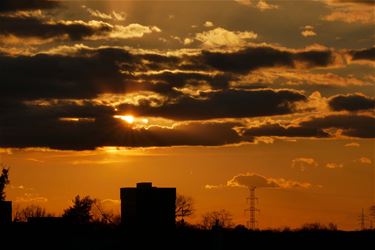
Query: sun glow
[127,118]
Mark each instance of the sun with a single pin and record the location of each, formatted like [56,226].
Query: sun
[127,118]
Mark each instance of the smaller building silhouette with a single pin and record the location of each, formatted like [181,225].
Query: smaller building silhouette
[148,207]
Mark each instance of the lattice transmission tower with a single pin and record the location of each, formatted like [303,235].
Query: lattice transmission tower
[252,210]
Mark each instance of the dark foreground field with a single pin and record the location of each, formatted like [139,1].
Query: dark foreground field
[26,236]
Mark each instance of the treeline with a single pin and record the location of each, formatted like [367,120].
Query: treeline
[88,210]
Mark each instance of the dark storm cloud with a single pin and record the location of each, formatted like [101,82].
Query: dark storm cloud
[364,54]
[14,111]
[278,130]
[34,93]
[33,27]
[365,2]
[352,125]
[62,76]
[108,131]
[253,58]
[351,102]
[361,126]
[314,58]
[222,104]
[87,73]
[23,5]
[168,83]
[51,124]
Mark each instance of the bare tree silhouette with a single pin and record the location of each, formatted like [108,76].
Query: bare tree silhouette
[217,219]
[31,211]
[102,215]
[184,207]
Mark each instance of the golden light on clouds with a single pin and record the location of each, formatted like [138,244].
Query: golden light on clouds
[127,118]
[136,122]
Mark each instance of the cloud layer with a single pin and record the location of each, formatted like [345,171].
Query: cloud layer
[253,180]
[227,84]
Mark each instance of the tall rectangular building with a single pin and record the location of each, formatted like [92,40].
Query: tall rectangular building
[148,207]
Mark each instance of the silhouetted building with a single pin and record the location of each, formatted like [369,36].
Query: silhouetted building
[148,207]
[5,212]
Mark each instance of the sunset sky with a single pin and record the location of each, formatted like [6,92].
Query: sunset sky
[210,97]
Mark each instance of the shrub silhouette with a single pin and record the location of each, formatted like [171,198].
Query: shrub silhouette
[80,212]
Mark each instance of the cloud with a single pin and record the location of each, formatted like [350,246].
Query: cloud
[365,160]
[351,102]
[39,128]
[361,126]
[110,202]
[25,27]
[118,16]
[300,79]
[22,5]
[133,30]
[208,186]
[352,144]
[7,151]
[363,54]
[263,5]
[220,37]
[35,160]
[332,165]
[188,41]
[30,198]
[222,104]
[82,75]
[63,98]
[350,11]
[250,180]
[308,31]
[39,28]
[96,162]
[354,2]
[303,163]
[251,58]
[244,2]
[208,24]
[364,16]
[81,72]
[281,131]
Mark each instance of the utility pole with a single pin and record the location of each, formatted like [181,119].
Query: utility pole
[252,208]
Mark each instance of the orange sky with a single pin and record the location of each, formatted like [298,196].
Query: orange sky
[52,178]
